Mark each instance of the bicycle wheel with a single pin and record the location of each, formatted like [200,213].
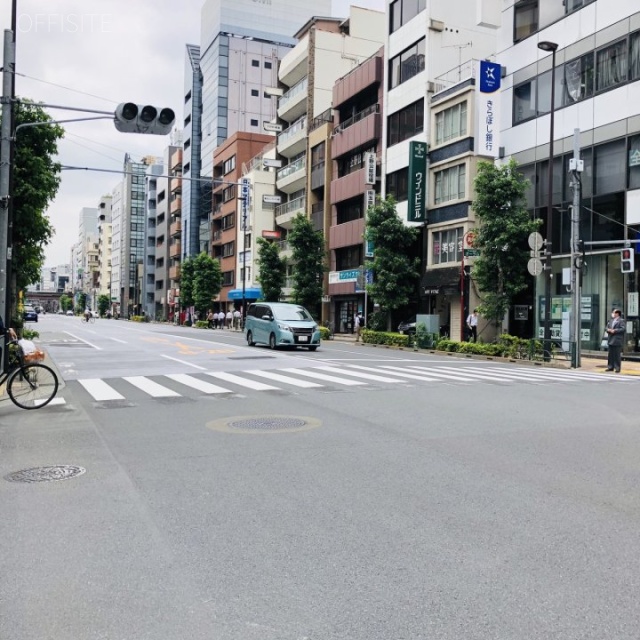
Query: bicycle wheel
[92,320]
[32,386]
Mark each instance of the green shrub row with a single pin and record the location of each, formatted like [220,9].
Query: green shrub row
[325,334]
[138,318]
[506,346]
[202,324]
[385,337]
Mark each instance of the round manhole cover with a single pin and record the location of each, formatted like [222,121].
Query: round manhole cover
[46,474]
[264,424]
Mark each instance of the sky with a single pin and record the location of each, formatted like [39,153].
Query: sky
[95,55]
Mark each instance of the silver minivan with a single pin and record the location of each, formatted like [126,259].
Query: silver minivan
[280,324]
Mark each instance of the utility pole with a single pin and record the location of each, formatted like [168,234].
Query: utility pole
[576,166]
[5,176]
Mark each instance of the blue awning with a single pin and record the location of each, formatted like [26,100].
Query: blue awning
[250,293]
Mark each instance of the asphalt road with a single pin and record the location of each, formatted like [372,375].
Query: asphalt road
[432,497]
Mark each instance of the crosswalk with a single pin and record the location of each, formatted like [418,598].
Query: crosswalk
[330,376]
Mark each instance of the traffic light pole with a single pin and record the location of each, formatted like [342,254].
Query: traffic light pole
[576,267]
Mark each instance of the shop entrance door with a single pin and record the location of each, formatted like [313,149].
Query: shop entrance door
[346,311]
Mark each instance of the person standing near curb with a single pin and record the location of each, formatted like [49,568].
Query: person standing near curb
[472,325]
[615,339]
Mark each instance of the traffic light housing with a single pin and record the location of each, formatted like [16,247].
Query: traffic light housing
[135,118]
[627,261]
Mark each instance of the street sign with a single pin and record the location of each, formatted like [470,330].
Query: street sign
[267,199]
[535,266]
[272,127]
[471,253]
[521,312]
[271,162]
[469,239]
[536,241]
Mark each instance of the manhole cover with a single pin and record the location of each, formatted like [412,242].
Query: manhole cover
[46,474]
[264,424]
[268,423]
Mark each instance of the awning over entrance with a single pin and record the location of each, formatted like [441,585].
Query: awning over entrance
[250,293]
[445,280]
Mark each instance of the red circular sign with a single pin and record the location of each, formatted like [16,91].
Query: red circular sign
[470,238]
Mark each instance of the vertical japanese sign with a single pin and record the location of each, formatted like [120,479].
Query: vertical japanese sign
[488,108]
[417,211]
[245,195]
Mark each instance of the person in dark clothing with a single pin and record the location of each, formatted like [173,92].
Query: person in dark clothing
[615,339]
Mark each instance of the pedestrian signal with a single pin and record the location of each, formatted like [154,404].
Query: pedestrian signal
[627,261]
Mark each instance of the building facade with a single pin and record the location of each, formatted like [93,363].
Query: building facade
[597,89]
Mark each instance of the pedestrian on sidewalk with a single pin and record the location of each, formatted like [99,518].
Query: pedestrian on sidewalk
[236,319]
[210,323]
[221,319]
[615,340]
[359,324]
[472,325]
[229,320]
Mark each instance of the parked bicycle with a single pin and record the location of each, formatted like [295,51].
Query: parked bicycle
[89,317]
[30,385]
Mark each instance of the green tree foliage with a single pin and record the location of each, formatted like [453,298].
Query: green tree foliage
[187,272]
[65,302]
[207,282]
[308,254]
[103,304]
[35,184]
[81,302]
[500,271]
[273,270]
[395,273]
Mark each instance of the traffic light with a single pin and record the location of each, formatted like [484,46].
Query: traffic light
[135,118]
[627,261]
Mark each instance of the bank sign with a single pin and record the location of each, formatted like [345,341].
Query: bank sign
[489,75]
[417,211]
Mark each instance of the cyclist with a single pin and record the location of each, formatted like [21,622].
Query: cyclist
[87,314]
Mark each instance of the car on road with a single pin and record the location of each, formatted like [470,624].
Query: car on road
[69,313]
[281,324]
[29,314]
[408,327]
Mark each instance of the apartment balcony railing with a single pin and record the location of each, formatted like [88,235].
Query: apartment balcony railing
[296,90]
[345,124]
[291,168]
[217,236]
[175,228]
[176,205]
[292,140]
[298,204]
[323,118]
[175,249]
[174,272]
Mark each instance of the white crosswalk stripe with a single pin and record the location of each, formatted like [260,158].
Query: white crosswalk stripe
[334,375]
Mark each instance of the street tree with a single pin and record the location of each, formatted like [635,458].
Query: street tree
[395,272]
[273,270]
[308,255]
[81,302]
[103,304]
[35,183]
[186,283]
[500,271]
[207,282]
[65,302]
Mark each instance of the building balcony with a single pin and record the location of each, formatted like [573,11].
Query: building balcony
[293,141]
[175,206]
[286,212]
[216,237]
[175,250]
[369,73]
[174,272]
[285,249]
[287,290]
[176,185]
[293,66]
[175,228]
[293,104]
[348,234]
[176,160]
[361,129]
[293,176]
[348,186]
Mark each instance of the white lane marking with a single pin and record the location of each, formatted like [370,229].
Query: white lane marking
[53,403]
[100,390]
[432,372]
[196,383]
[359,374]
[276,377]
[525,375]
[250,384]
[476,376]
[151,388]
[410,376]
[189,364]
[311,373]
[578,374]
[118,340]
[82,340]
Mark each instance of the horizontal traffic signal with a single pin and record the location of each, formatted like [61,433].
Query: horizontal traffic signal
[134,118]
[627,261]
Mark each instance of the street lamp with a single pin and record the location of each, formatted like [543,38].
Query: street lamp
[547,46]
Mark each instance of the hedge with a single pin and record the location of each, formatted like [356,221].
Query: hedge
[325,333]
[384,337]
[202,324]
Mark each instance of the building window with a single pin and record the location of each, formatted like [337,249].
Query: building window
[611,65]
[609,167]
[318,156]
[406,123]
[634,56]
[228,222]
[353,162]
[525,19]
[634,162]
[578,79]
[401,11]
[229,165]
[186,167]
[398,184]
[228,249]
[227,278]
[406,64]
[349,257]
[451,123]
[254,123]
[447,246]
[267,64]
[350,210]
[187,120]
[255,63]
[255,93]
[187,143]
[267,96]
[229,193]
[187,97]
[524,102]
[450,184]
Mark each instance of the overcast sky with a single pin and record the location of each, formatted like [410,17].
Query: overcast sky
[95,55]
